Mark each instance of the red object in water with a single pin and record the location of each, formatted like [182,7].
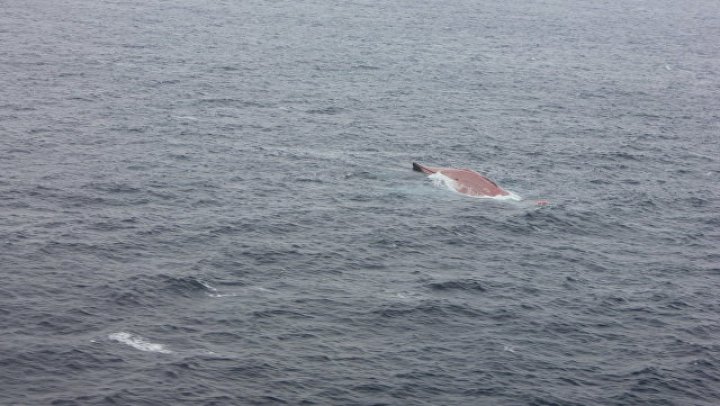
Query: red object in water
[467,182]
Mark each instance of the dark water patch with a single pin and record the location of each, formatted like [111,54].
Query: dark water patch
[332,110]
[237,103]
[186,286]
[281,313]
[469,285]
[151,290]
[297,336]
[426,311]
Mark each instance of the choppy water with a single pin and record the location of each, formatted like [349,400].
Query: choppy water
[211,202]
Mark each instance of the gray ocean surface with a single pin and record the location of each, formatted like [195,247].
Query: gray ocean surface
[212,202]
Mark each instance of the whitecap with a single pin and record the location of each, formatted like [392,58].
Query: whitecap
[138,342]
[408,296]
[511,197]
[207,285]
[222,294]
[441,180]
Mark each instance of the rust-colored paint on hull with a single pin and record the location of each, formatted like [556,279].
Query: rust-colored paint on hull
[467,182]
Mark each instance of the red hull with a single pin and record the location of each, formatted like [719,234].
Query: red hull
[466,181]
